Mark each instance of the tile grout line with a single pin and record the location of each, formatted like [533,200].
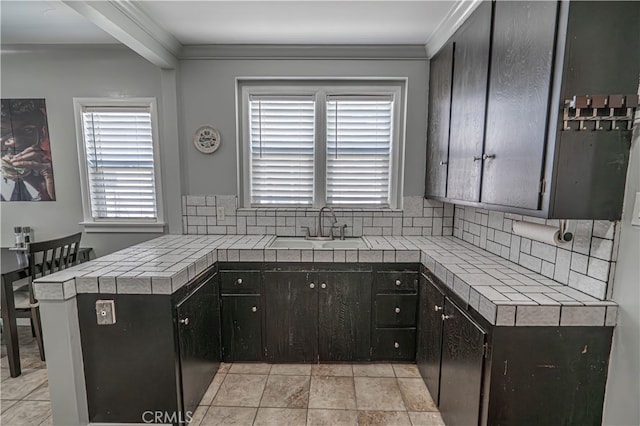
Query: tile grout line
[262,395]
[306,417]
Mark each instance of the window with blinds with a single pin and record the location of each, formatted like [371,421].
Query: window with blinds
[120,162]
[359,141]
[310,144]
[281,148]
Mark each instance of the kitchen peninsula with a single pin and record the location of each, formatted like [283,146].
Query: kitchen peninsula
[564,343]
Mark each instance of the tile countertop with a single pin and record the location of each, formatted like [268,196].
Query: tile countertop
[504,293]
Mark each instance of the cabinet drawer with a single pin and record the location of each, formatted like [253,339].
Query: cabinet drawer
[391,344]
[240,282]
[390,281]
[396,310]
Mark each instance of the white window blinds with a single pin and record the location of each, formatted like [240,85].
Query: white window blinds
[359,147]
[282,139]
[119,153]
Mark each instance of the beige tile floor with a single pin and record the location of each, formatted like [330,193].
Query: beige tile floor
[25,400]
[259,394]
[324,394]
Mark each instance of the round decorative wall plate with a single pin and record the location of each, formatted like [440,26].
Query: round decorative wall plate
[206,139]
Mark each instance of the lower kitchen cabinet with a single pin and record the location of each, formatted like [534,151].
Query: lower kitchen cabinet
[395,304]
[480,374]
[242,312]
[291,302]
[461,367]
[429,335]
[160,355]
[241,327]
[314,315]
[198,317]
[344,316]
[450,355]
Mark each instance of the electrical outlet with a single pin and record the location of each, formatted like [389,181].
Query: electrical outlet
[635,216]
[220,212]
[106,312]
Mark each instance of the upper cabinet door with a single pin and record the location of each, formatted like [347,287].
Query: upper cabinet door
[468,105]
[519,88]
[438,129]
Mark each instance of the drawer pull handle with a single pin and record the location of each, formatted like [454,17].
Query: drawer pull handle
[445,317]
[488,156]
[396,345]
[312,285]
[398,282]
[184,321]
[443,163]
[323,285]
[437,308]
[239,281]
[397,309]
[254,309]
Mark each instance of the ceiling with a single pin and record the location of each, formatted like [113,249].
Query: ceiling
[46,22]
[238,22]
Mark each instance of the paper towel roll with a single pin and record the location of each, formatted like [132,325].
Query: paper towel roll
[535,231]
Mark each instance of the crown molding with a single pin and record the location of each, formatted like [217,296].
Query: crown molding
[299,51]
[458,13]
[61,48]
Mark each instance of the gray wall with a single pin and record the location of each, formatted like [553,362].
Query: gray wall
[623,385]
[59,75]
[208,96]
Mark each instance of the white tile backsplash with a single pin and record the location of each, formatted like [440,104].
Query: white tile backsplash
[587,263]
[418,217]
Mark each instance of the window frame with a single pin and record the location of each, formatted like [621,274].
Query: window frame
[125,225]
[320,89]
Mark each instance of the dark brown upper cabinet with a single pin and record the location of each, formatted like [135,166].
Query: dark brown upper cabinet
[550,64]
[440,75]
[518,103]
[468,105]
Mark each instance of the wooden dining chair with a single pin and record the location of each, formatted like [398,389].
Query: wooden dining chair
[18,299]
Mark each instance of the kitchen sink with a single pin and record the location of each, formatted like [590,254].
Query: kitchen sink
[301,243]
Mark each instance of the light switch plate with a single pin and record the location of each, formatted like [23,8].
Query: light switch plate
[106,312]
[635,216]
[220,212]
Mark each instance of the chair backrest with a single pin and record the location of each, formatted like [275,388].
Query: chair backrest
[47,257]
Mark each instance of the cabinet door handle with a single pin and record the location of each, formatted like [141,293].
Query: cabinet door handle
[254,309]
[397,309]
[312,285]
[184,321]
[323,285]
[239,281]
[476,158]
[396,345]
[443,163]
[437,308]
[445,317]
[488,156]
[398,282]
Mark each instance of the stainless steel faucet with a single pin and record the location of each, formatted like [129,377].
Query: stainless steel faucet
[320,224]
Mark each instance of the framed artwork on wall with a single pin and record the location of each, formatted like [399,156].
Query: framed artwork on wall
[27,171]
